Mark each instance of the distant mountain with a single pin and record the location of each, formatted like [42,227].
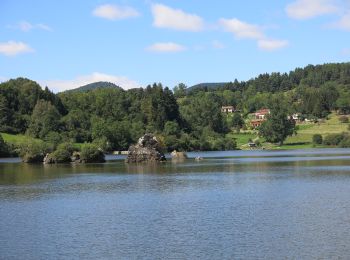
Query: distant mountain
[207,85]
[95,85]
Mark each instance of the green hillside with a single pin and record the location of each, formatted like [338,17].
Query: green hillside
[204,86]
[95,85]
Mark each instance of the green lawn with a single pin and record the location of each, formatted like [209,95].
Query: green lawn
[19,139]
[303,138]
[15,139]
[242,139]
[307,130]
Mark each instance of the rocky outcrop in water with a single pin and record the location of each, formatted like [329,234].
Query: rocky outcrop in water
[48,159]
[147,149]
[89,156]
[178,156]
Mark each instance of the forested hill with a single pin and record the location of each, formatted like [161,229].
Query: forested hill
[311,75]
[95,85]
[207,86]
[184,120]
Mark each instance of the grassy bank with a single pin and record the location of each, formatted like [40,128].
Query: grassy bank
[15,139]
[20,139]
[303,138]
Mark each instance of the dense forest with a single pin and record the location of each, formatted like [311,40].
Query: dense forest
[183,118]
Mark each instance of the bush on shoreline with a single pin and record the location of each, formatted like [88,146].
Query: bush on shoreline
[63,153]
[341,140]
[41,152]
[33,151]
[90,153]
[4,148]
[317,139]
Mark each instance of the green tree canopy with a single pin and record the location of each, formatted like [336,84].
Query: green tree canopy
[237,121]
[278,125]
[45,118]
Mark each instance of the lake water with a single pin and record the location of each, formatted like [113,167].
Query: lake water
[231,205]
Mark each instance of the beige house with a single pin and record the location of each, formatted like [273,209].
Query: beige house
[228,109]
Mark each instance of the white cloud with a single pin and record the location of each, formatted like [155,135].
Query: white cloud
[167,17]
[306,9]
[115,12]
[241,29]
[271,45]
[244,30]
[166,47]
[345,52]
[44,27]
[344,22]
[62,85]
[27,26]
[12,48]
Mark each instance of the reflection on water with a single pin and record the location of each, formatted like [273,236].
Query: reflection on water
[239,204]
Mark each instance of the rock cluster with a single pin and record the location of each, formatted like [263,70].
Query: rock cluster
[147,149]
[76,157]
[178,156]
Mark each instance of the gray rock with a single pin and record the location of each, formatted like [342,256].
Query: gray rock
[147,149]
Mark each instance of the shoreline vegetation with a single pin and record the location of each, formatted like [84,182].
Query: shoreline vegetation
[305,108]
[328,131]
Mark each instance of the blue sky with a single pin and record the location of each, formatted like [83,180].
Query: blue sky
[64,44]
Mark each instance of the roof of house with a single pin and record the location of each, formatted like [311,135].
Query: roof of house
[263,111]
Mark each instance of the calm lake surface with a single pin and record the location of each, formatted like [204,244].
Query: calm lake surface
[231,205]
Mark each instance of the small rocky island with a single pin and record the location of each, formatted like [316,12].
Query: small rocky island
[147,149]
[36,152]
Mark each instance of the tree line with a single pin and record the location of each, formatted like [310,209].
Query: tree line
[183,119]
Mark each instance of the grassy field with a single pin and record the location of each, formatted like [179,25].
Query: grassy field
[15,139]
[18,139]
[303,138]
[307,130]
[242,139]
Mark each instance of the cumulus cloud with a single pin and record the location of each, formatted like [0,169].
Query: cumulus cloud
[306,9]
[27,26]
[12,48]
[166,47]
[62,85]
[241,29]
[344,22]
[244,30]
[271,45]
[115,12]
[176,19]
